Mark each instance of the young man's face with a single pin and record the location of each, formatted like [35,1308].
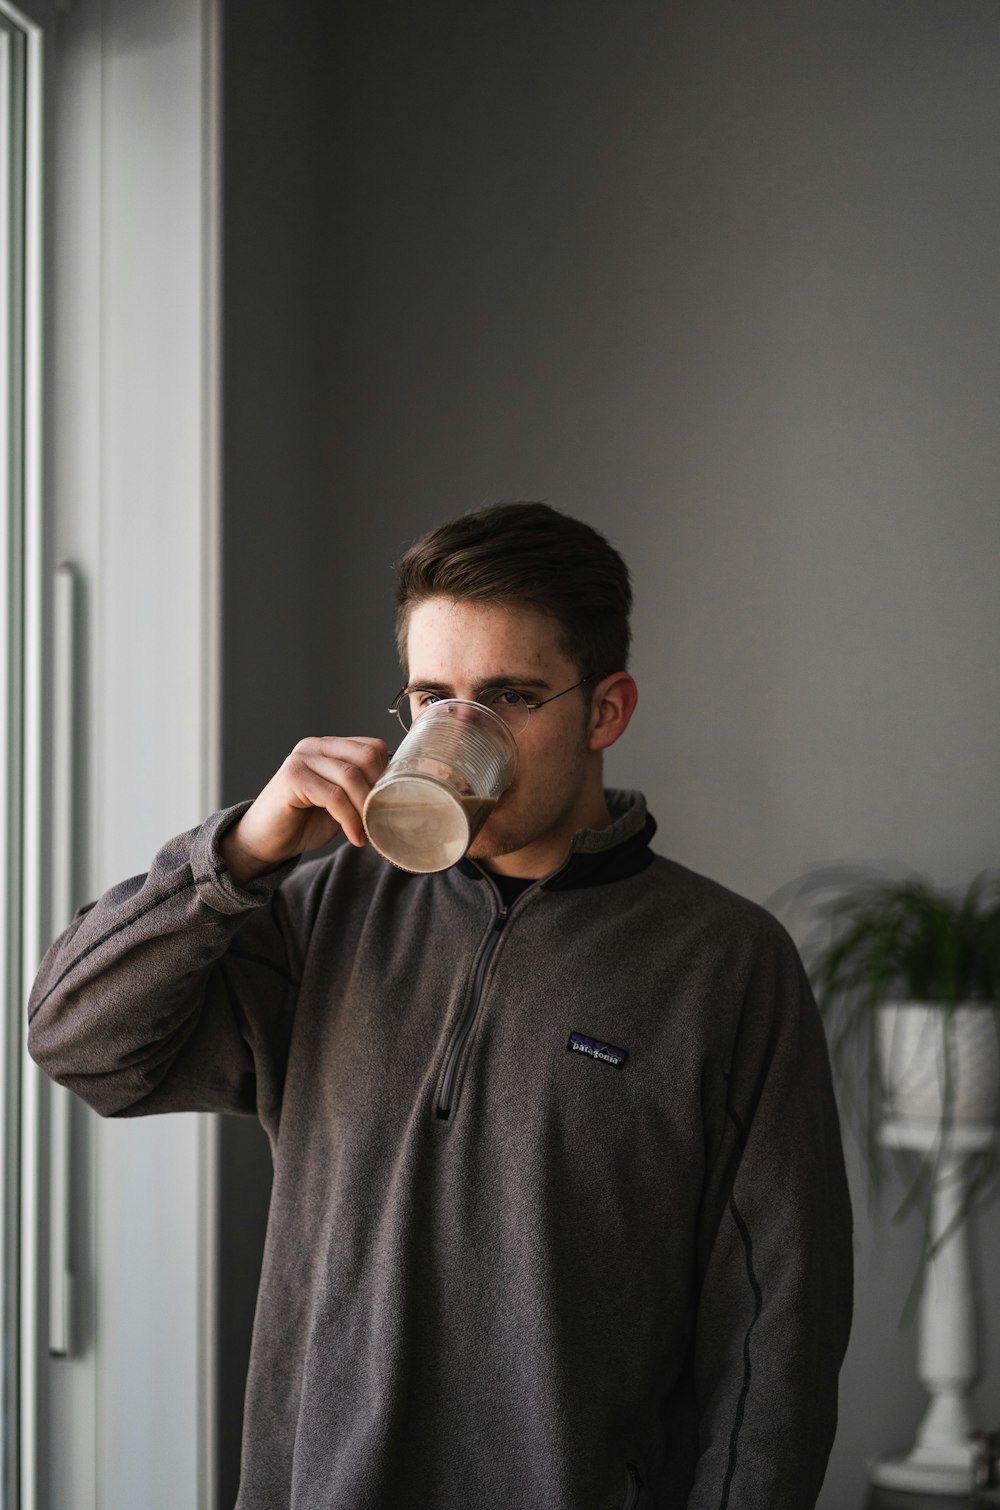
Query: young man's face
[459,648]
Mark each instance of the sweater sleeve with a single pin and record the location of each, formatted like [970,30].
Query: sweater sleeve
[775,1256]
[175,990]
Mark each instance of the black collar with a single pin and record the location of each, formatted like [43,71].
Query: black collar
[592,867]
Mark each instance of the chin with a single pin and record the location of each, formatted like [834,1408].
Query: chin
[490,843]
[483,848]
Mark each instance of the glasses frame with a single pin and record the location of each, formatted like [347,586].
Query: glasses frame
[394,706]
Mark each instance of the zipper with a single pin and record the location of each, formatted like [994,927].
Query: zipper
[444,1097]
[446,1084]
[633,1488]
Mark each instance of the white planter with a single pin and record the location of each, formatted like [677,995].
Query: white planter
[936,1064]
[941,1076]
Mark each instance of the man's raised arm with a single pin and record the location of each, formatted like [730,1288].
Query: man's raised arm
[175,990]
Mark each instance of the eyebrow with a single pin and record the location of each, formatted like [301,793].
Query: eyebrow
[529,683]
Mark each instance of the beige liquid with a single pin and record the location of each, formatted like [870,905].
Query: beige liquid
[477,810]
[428,834]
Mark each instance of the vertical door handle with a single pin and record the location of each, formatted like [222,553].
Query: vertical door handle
[61,1278]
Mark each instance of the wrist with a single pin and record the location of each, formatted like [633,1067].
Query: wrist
[242,866]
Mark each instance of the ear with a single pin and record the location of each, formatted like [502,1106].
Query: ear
[611,709]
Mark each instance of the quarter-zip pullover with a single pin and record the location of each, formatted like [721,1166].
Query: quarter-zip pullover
[559,1215]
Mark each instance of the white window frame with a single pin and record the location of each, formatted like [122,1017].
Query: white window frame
[21,759]
[93,284]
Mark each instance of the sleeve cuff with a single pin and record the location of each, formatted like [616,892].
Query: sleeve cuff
[215,886]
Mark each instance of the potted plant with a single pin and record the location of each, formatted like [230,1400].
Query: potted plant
[907,977]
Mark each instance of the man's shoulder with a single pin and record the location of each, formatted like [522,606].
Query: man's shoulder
[711,905]
[668,883]
[709,933]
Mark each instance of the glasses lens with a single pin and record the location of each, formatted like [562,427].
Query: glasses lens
[511,707]
[412,706]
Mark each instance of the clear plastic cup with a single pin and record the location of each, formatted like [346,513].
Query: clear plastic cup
[440,786]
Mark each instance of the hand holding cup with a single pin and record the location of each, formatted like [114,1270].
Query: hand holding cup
[319,790]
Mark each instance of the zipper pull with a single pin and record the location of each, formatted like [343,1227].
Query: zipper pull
[501,919]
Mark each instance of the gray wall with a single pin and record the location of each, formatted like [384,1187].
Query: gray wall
[718,277]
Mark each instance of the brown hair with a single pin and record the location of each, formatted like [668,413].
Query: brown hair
[532,555]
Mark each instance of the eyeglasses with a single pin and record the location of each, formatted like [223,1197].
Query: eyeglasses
[411,703]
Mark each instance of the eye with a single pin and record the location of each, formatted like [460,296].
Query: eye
[420,698]
[507,698]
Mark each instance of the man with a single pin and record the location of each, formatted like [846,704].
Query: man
[559,1215]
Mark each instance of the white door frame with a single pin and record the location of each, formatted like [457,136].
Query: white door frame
[132,501]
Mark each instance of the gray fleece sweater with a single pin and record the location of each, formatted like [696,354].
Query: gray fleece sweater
[559,1218]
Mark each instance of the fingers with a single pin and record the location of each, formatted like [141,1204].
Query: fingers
[336,774]
[318,791]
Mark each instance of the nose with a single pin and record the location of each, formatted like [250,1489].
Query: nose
[466,710]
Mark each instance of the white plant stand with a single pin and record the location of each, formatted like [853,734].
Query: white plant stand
[948,1363]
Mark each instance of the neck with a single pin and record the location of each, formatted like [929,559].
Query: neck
[548,853]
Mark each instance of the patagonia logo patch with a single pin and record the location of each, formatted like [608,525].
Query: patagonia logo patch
[580,1043]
